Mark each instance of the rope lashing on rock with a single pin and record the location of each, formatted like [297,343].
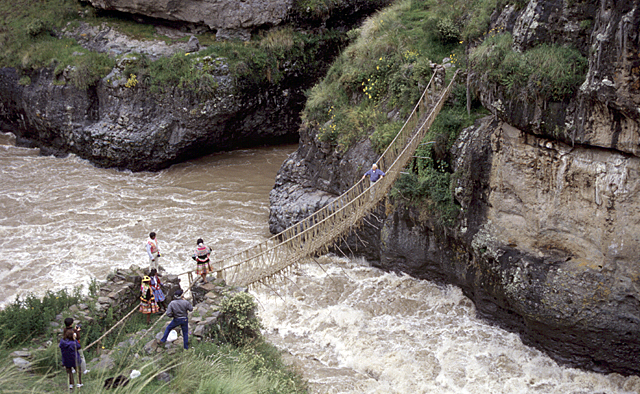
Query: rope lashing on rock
[112,328]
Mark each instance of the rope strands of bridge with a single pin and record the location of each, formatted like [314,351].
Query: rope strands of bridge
[316,233]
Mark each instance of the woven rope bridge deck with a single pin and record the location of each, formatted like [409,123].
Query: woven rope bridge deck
[316,233]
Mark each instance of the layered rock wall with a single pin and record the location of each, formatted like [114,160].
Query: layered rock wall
[546,242]
[130,127]
[224,16]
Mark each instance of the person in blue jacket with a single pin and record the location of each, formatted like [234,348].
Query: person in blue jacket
[374,173]
[69,347]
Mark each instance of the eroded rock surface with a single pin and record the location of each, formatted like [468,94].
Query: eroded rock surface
[233,19]
[546,243]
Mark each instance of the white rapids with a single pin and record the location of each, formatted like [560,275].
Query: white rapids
[347,327]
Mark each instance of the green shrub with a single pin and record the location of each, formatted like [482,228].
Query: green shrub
[551,72]
[36,27]
[238,324]
[384,134]
[431,190]
[25,80]
[29,317]
[448,31]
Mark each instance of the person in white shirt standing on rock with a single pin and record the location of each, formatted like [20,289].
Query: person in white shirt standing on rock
[153,251]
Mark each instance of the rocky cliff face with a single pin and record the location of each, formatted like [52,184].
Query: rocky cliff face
[114,125]
[239,19]
[231,19]
[546,243]
[606,111]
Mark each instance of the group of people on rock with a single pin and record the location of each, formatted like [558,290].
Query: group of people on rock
[152,297]
[201,255]
[153,300]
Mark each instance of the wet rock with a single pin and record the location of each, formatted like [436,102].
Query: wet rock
[105,363]
[164,377]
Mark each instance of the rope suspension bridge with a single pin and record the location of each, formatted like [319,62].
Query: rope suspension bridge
[316,233]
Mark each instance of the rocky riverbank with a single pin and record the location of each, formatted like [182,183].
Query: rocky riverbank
[119,294]
[546,242]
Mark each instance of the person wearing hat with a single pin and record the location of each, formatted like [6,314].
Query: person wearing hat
[179,310]
[148,303]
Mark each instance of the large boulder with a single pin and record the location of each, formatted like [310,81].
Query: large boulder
[224,16]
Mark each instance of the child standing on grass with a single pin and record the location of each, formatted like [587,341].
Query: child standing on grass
[69,348]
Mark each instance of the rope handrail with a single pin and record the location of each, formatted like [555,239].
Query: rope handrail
[304,238]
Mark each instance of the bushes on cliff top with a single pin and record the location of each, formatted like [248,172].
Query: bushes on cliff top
[550,72]
[387,66]
[27,38]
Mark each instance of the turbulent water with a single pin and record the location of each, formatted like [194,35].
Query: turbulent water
[349,328]
[63,221]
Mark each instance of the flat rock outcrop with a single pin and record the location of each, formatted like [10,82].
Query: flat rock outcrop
[232,19]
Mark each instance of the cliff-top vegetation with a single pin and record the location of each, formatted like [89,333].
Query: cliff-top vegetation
[372,86]
[32,37]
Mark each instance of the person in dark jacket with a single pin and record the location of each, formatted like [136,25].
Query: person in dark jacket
[75,331]
[69,347]
[178,309]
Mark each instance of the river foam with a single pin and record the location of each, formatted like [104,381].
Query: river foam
[352,328]
[348,327]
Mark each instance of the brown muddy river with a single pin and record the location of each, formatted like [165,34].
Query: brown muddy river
[349,328]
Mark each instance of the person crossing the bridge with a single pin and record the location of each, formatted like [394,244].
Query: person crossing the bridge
[374,173]
[201,256]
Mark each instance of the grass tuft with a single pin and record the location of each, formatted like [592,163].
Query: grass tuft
[550,72]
